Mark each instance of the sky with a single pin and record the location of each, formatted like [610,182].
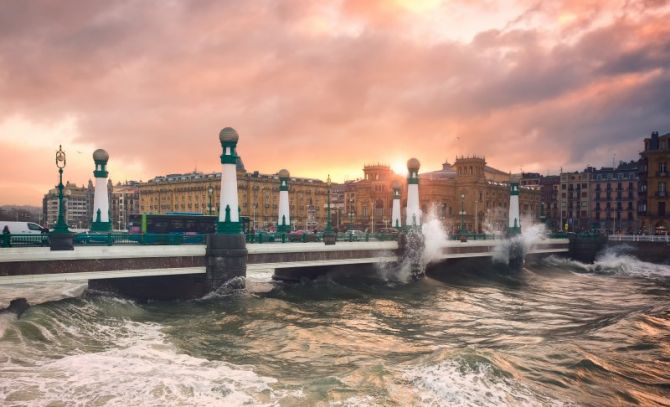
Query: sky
[321,87]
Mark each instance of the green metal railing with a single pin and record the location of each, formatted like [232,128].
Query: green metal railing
[474,236]
[124,238]
[109,239]
[19,240]
[269,237]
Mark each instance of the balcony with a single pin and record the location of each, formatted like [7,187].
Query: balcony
[662,194]
[661,173]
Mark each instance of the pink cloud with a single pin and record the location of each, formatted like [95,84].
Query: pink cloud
[153,83]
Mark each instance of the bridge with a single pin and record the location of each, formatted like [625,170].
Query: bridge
[131,265]
[181,271]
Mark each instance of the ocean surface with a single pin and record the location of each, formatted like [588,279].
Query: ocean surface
[554,334]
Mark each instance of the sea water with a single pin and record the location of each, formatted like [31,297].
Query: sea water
[552,334]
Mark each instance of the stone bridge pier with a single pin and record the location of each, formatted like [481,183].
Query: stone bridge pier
[225,260]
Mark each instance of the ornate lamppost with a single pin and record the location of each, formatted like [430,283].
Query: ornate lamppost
[462,213]
[210,192]
[60,237]
[329,236]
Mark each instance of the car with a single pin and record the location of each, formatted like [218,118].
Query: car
[23,228]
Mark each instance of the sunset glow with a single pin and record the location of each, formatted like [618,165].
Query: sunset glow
[323,88]
[399,167]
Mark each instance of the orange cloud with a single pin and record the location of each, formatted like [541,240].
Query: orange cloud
[320,88]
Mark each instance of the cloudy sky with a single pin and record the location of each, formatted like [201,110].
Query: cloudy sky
[324,87]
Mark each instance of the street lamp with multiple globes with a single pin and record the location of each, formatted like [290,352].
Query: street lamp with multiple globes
[60,238]
[462,213]
[61,226]
[210,192]
[329,236]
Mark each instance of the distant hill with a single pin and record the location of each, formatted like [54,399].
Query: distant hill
[23,213]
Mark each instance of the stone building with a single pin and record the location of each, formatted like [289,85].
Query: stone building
[368,201]
[469,185]
[78,204]
[654,180]
[614,198]
[575,201]
[125,202]
[549,187]
[258,194]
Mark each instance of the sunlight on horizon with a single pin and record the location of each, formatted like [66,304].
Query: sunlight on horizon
[399,167]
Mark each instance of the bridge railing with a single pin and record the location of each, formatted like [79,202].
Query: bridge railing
[640,238]
[474,236]
[21,240]
[109,239]
[269,237]
[124,238]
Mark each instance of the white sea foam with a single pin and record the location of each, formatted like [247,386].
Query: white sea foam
[529,237]
[355,401]
[435,238]
[395,273]
[456,383]
[145,369]
[37,293]
[6,320]
[615,260]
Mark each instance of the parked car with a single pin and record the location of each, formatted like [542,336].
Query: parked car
[23,228]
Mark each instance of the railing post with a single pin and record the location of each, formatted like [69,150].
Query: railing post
[6,239]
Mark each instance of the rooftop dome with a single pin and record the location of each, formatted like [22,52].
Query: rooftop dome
[228,134]
[284,174]
[413,164]
[396,184]
[100,155]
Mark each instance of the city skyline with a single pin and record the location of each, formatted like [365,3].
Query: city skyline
[324,88]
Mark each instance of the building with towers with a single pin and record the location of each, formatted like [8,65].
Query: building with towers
[484,191]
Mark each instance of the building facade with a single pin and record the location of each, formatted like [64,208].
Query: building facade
[653,184]
[258,194]
[549,187]
[77,202]
[614,198]
[125,202]
[468,186]
[575,201]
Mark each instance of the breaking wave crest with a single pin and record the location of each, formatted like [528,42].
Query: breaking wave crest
[614,261]
[116,362]
[467,382]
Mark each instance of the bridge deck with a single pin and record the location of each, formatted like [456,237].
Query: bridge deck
[37,264]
